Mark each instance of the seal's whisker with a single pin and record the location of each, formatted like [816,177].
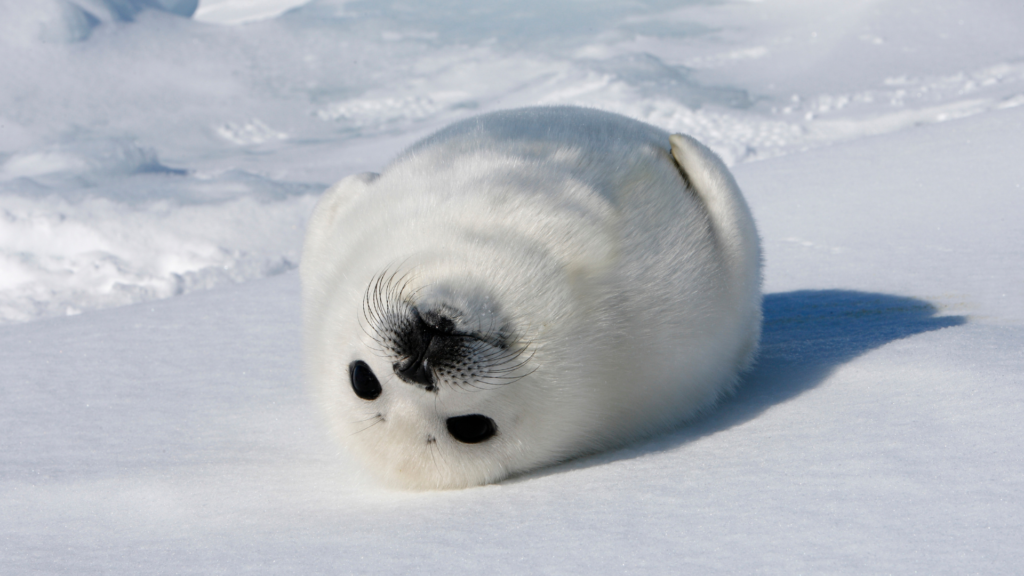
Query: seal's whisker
[378,421]
[385,309]
[510,363]
[498,377]
[507,369]
[496,359]
[377,415]
[463,385]
[493,354]
[432,447]
[506,378]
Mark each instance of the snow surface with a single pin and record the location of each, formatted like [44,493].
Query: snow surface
[239,11]
[144,155]
[126,131]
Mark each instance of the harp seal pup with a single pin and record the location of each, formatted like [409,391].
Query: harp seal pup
[524,287]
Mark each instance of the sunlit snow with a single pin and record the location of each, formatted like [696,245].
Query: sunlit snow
[113,112]
[159,158]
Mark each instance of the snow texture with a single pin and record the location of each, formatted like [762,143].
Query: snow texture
[144,154]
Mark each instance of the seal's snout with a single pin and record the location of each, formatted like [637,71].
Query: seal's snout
[428,341]
[416,371]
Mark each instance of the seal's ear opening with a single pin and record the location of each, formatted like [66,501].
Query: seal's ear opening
[332,204]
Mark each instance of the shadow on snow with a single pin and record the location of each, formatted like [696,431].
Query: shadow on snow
[807,334]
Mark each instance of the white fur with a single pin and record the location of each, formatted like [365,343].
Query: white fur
[635,299]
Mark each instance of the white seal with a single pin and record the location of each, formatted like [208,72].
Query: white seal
[524,287]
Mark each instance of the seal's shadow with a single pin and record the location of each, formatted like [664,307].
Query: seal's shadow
[807,334]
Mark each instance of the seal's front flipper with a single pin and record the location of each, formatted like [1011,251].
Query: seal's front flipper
[731,221]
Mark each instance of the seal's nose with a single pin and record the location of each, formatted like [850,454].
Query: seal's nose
[424,345]
[416,371]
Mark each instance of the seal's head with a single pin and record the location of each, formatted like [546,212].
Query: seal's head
[442,381]
[438,382]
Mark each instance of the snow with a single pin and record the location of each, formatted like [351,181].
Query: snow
[241,11]
[150,111]
[145,155]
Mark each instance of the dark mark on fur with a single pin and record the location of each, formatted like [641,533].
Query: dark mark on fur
[427,349]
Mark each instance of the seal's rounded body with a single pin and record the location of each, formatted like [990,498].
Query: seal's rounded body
[524,287]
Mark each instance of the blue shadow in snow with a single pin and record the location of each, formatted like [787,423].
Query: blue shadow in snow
[807,334]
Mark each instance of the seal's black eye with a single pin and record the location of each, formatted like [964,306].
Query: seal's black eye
[364,382]
[472,429]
